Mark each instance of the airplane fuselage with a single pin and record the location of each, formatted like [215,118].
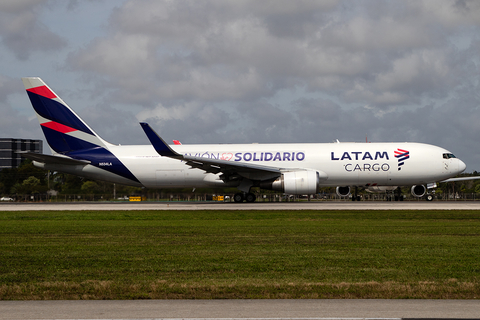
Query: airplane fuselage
[354,164]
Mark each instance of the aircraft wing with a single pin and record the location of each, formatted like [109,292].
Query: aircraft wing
[228,168]
[45,158]
[461,179]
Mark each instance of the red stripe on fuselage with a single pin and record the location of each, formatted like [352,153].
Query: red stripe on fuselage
[43,91]
[58,127]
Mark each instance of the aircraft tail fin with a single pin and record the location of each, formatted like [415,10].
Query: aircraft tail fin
[64,130]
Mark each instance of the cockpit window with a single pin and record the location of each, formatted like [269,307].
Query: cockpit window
[448,156]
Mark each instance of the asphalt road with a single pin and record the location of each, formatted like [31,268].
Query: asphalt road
[228,309]
[320,205]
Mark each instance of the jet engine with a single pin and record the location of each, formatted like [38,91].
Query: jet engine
[297,182]
[418,191]
[343,191]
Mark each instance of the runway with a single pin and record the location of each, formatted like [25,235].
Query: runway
[240,309]
[317,205]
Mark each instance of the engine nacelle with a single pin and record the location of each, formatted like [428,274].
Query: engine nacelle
[297,182]
[343,191]
[418,191]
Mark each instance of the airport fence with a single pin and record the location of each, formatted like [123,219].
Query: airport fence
[193,197]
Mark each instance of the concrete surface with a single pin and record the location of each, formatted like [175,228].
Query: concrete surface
[338,205]
[271,309]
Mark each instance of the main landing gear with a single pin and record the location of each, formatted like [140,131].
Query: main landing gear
[248,197]
[355,196]
[395,195]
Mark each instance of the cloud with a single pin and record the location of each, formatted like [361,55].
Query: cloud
[8,86]
[379,54]
[21,30]
[272,71]
[190,122]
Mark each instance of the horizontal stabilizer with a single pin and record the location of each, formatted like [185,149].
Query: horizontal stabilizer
[45,158]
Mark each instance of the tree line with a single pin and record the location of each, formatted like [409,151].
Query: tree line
[28,179]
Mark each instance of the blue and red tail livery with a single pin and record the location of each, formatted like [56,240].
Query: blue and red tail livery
[64,130]
[68,135]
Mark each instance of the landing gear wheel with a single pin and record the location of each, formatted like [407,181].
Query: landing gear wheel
[355,196]
[399,196]
[238,197]
[250,197]
[429,197]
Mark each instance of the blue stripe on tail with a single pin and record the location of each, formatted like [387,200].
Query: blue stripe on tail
[63,143]
[55,111]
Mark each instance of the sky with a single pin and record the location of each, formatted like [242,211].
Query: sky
[250,71]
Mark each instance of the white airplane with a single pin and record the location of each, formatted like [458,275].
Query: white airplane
[294,169]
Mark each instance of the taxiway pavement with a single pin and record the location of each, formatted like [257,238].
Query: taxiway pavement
[314,205]
[237,309]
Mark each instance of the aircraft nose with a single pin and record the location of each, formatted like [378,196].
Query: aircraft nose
[461,166]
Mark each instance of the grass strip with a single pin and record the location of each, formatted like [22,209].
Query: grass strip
[239,254]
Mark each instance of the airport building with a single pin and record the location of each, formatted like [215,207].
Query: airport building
[9,158]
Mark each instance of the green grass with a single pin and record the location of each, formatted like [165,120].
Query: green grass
[239,254]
